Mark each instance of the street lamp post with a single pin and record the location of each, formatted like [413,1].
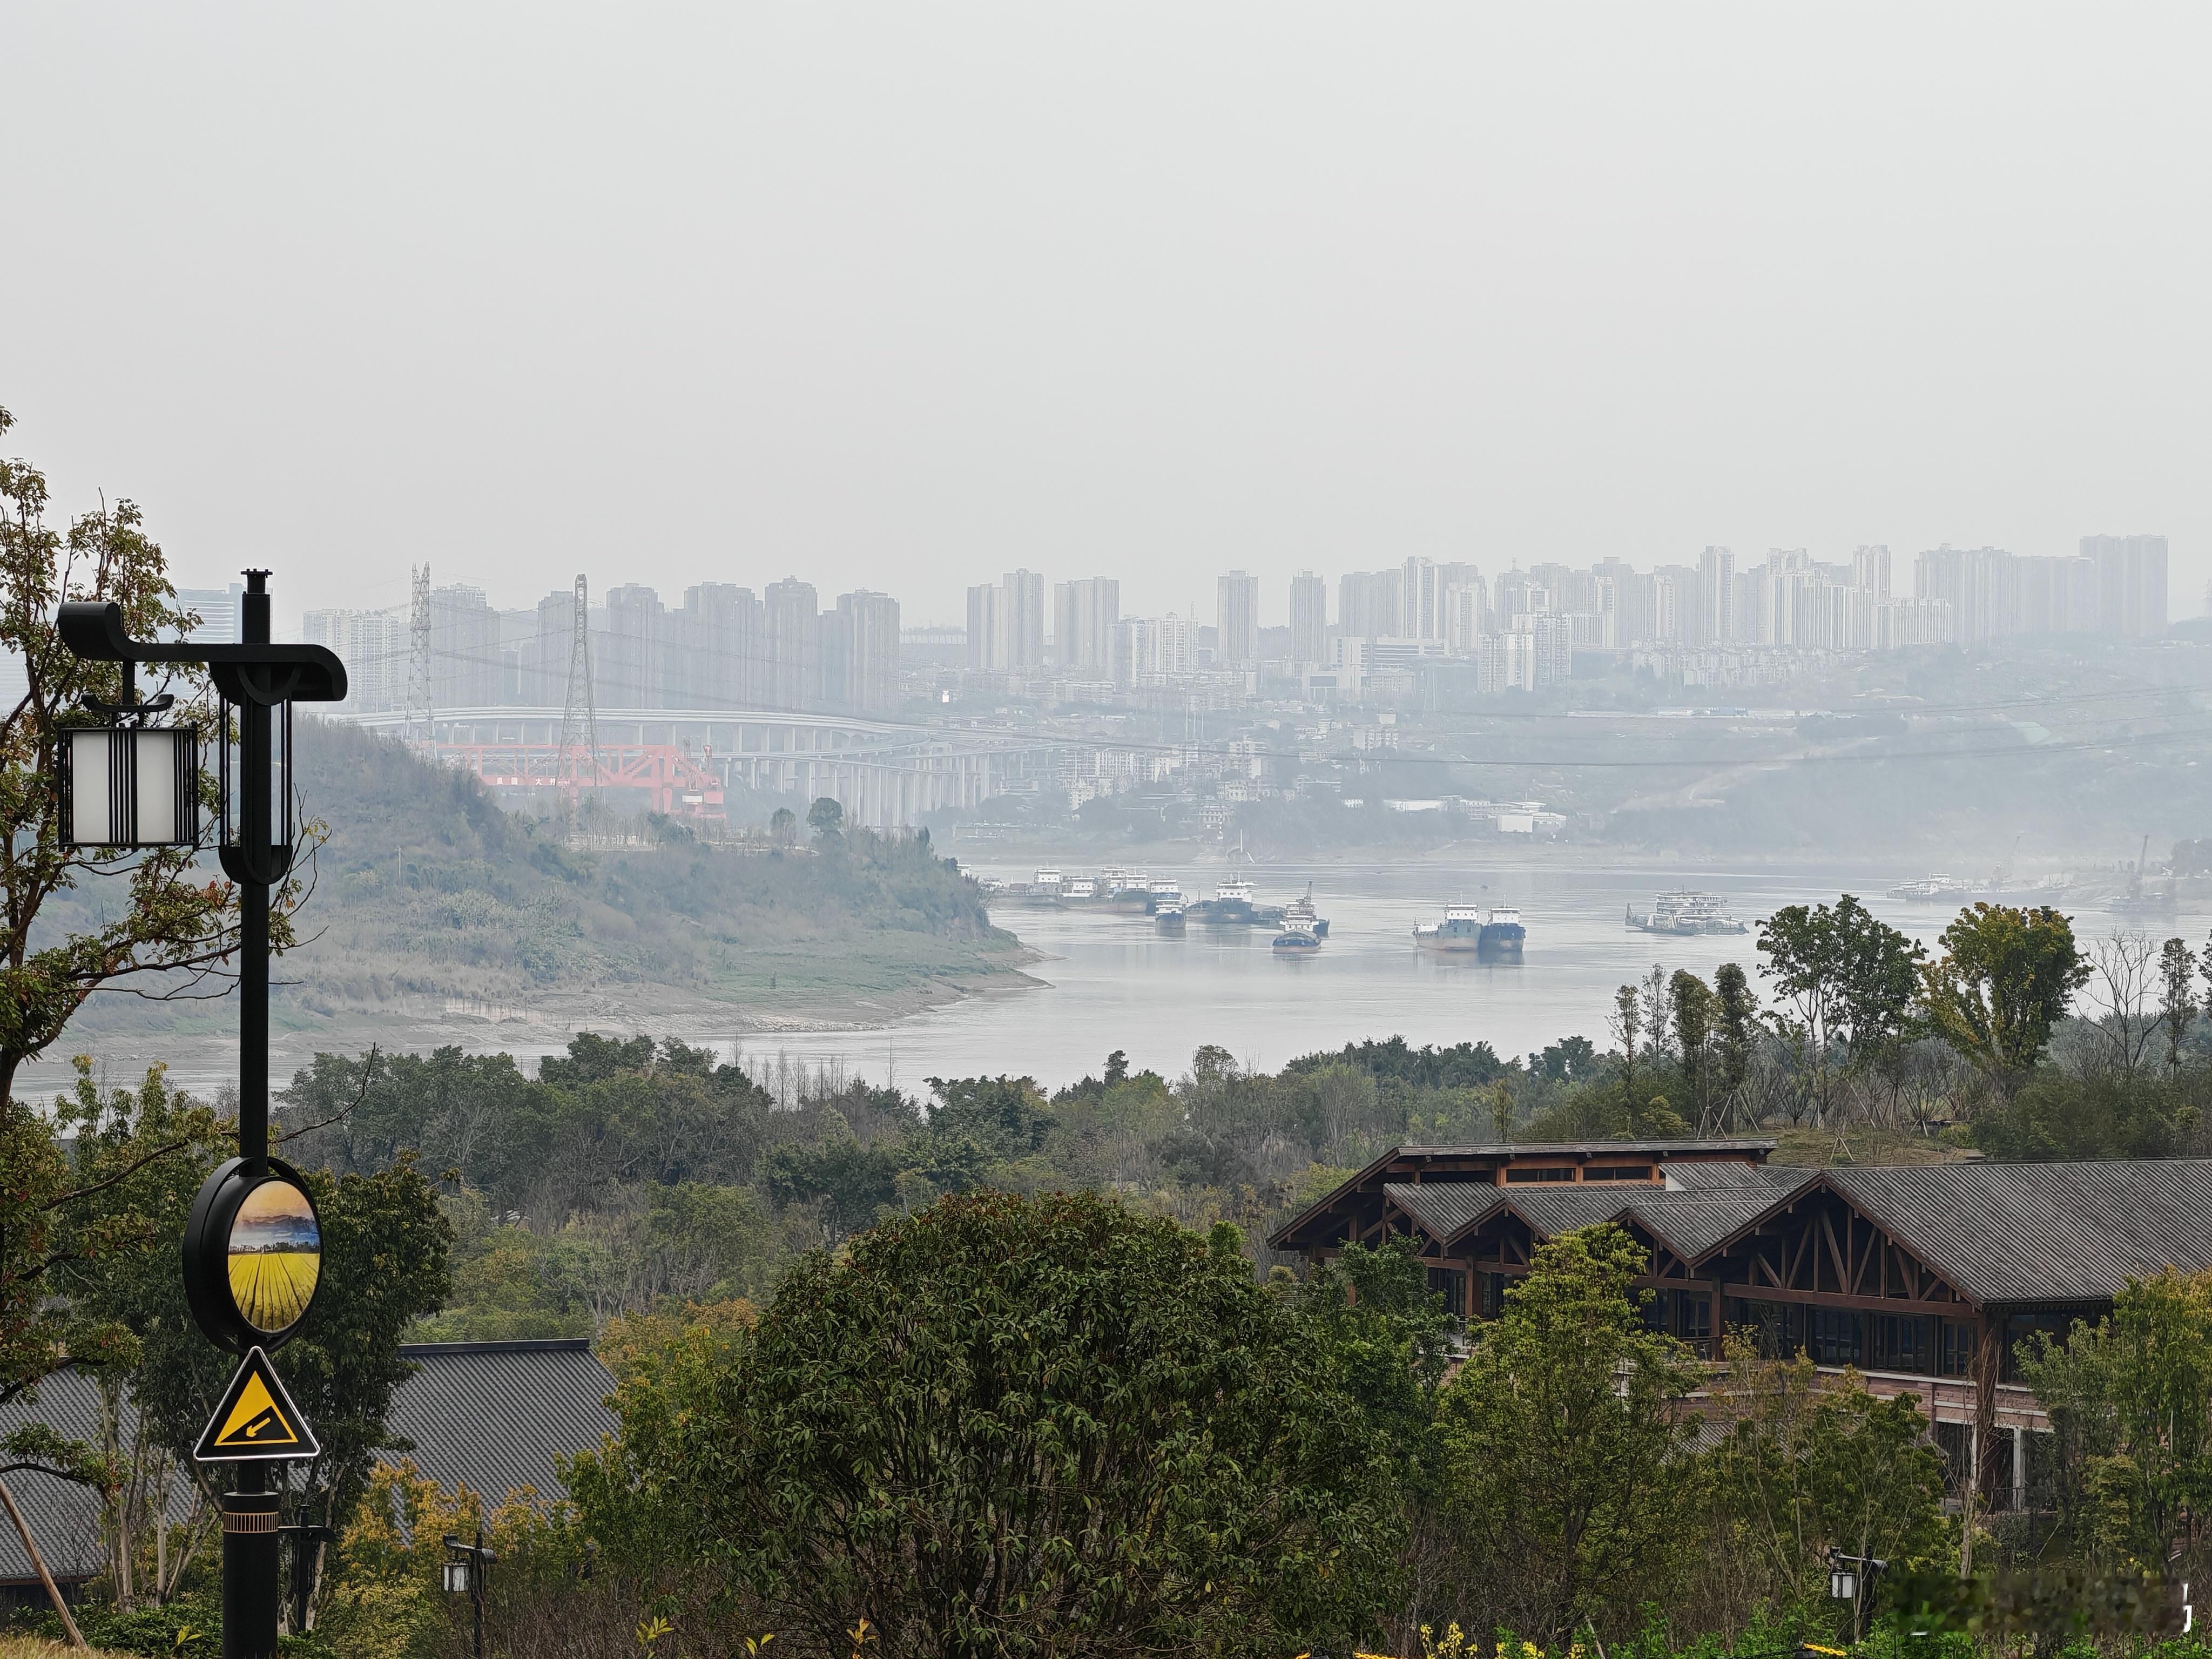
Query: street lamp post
[252,1245]
[467,1566]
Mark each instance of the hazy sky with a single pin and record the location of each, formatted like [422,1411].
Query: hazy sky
[903,296]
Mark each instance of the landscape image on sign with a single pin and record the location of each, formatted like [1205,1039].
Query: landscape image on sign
[275,1256]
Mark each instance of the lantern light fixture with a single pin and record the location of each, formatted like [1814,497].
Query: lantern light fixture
[128,783]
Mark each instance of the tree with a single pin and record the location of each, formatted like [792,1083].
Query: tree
[783,826]
[1690,1000]
[1817,1463]
[1005,1425]
[1848,979]
[1566,1473]
[1627,1024]
[160,915]
[2177,972]
[826,819]
[2004,978]
[1735,1013]
[2127,1400]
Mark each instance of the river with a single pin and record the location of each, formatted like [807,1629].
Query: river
[1117,982]
[1111,982]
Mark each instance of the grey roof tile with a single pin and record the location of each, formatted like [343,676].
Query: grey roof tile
[492,1415]
[2042,1232]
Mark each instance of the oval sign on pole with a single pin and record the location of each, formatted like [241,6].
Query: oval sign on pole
[253,1255]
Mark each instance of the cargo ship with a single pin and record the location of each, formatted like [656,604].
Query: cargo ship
[1168,908]
[1231,905]
[1687,912]
[1471,930]
[1302,930]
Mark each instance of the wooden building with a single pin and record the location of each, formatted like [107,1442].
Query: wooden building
[1927,1278]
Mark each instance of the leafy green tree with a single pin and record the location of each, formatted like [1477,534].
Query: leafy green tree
[2128,1403]
[1815,1463]
[1693,1006]
[159,922]
[1844,979]
[2004,978]
[1011,1426]
[1735,1015]
[783,826]
[2177,973]
[1567,1473]
[826,819]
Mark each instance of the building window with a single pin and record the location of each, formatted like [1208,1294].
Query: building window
[1901,1342]
[1958,1350]
[1693,1316]
[1834,1337]
[1493,1294]
[1619,1172]
[1451,1286]
[1544,1173]
[1776,1327]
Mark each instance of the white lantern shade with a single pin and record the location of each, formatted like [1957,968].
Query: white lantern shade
[456,1576]
[1844,1585]
[130,785]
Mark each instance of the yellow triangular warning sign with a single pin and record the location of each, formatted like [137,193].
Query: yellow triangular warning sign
[256,1418]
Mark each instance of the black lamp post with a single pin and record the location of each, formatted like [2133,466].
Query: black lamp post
[467,1567]
[252,1245]
[1852,1578]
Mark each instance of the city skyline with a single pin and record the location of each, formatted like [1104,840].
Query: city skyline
[726,295]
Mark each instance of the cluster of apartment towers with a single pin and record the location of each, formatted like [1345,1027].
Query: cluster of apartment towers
[724,648]
[1523,627]
[727,648]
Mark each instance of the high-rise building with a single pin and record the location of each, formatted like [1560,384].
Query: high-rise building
[1021,606]
[794,645]
[2132,583]
[1083,612]
[867,628]
[717,653]
[1420,600]
[1716,596]
[1870,572]
[626,659]
[372,644]
[1368,604]
[1981,585]
[1147,649]
[1236,619]
[218,610]
[1309,618]
[466,668]
[987,629]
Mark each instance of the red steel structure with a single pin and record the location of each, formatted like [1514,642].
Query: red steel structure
[673,781]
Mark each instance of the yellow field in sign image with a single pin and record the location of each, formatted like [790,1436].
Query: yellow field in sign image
[273,1288]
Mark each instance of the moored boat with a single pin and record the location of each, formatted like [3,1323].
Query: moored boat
[1471,930]
[1684,912]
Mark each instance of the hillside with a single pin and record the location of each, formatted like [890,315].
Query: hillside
[436,915]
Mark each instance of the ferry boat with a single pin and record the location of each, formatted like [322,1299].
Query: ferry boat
[1683,912]
[1931,888]
[1470,930]
[1302,929]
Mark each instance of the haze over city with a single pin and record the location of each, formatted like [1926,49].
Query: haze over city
[898,300]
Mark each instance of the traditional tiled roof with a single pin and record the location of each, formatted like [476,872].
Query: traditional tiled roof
[2041,1232]
[2002,1234]
[1745,1149]
[492,1415]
